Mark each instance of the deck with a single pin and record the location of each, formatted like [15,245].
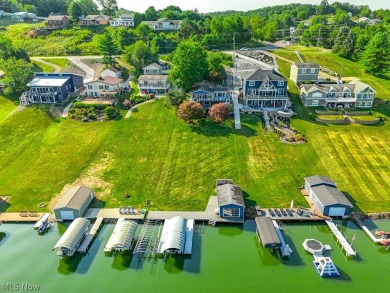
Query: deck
[341,239]
[19,217]
[111,214]
[287,214]
[87,240]
[207,215]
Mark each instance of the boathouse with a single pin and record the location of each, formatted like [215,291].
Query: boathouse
[72,238]
[73,203]
[122,236]
[176,236]
[231,202]
[327,198]
[266,231]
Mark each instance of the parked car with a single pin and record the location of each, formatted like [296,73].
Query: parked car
[244,49]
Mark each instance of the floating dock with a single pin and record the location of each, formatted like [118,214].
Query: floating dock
[267,233]
[42,220]
[341,239]
[285,249]
[20,217]
[87,240]
[290,214]
[189,236]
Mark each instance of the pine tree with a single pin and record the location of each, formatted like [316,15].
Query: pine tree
[344,43]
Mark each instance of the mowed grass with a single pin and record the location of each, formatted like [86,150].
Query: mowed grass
[6,106]
[155,156]
[41,67]
[61,62]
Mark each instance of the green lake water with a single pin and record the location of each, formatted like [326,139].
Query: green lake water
[224,259]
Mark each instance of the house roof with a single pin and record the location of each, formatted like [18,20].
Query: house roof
[360,86]
[49,81]
[56,17]
[327,87]
[154,65]
[330,195]
[155,77]
[113,69]
[110,80]
[261,74]
[94,16]
[230,194]
[75,197]
[208,87]
[73,234]
[306,65]
[318,180]
[267,232]
[127,15]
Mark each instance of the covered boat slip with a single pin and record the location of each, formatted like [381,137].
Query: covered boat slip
[122,236]
[73,236]
[267,232]
[42,220]
[176,236]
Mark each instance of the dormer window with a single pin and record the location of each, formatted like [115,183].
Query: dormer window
[280,83]
[251,83]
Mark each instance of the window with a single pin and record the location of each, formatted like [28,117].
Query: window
[303,70]
[314,103]
[106,87]
[312,70]
[251,83]
[231,212]
[368,104]
[280,92]
[89,86]
[100,87]
[280,83]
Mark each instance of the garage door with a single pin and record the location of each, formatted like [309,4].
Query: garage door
[231,212]
[67,215]
[336,212]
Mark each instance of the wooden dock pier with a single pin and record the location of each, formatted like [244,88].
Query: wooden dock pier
[341,239]
[84,245]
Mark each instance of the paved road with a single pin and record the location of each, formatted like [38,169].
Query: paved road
[90,73]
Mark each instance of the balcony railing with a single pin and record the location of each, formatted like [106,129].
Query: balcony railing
[277,97]
[340,99]
[153,86]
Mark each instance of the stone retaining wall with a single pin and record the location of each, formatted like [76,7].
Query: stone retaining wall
[374,216]
[338,121]
[366,122]
[359,113]
[319,112]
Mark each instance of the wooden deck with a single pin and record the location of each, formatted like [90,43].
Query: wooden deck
[287,214]
[111,214]
[16,217]
[88,239]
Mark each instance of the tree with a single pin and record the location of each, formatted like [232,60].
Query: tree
[219,112]
[341,17]
[18,73]
[107,48]
[88,7]
[344,43]
[376,57]
[108,7]
[175,97]
[324,8]
[139,55]
[74,10]
[151,13]
[216,70]
[302,15]
[189,111]
[143,30]
[189,64]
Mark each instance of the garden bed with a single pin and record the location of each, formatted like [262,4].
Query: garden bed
[92,112]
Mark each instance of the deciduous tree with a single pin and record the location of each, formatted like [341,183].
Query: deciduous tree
[219,112]
[18,73]
[107,48]
[190,111]
[139,55]
[74,10]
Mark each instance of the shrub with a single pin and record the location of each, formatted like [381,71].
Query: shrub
[219,112]
[83,105]
[189,111]
[110,112]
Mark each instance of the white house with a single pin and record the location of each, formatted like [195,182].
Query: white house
[107,87]
[126,20]
[111,71]
[164,24]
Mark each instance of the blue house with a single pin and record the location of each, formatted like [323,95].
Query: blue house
[265,89]
[230,199]
[327,198]
[51,88]
[208,94]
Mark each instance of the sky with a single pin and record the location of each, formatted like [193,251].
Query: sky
[241,5]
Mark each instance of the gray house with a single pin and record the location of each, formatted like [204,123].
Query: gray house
[350,95]
[230,199]
[208,94]
[327,198]
[73,203]
[301,72]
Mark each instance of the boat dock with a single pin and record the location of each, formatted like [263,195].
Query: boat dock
[284,248]
[289,214]
[42,220]
[341,239]
[91,233]
[20,217]
[364,228]
[189,236]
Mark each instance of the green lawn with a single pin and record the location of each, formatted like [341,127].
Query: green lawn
[41,67]
[61,62]
[153,155]
[6,106]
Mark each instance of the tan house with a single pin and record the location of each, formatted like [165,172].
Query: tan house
[164,24]
[100,19]
[57,21]
[107,87]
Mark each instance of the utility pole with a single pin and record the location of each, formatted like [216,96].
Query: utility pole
[318,41]
[234,43]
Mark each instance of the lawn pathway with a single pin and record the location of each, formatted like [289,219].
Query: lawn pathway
[135,106]
[55,66]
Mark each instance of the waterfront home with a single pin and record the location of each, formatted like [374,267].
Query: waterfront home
[164,24]
[125,20]
[51,88]
[208,94]
[154,80]
[57,21]
[302,72]
[111,71]
[327,198]
[73,203]
[336,95]
[231,202]
[24,16]
[72,238]
[99,19]
[107,87]
[265,89]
